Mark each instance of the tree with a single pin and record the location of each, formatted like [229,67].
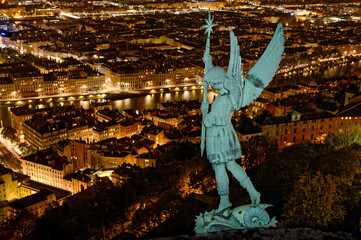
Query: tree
[342,163]
[154,214]
[348,138]
[24,223]
[89,214]
[315,203]
[256,150]
[262,116]
[25,148]
[245,125]
[280,173]
[10,134]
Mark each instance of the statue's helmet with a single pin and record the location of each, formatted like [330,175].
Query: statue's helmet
[215,75]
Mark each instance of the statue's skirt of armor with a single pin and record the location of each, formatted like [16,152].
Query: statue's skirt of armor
[222,144]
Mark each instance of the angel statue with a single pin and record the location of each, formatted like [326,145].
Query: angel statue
[222,144]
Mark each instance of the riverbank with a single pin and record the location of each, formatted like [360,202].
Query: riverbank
[111,95]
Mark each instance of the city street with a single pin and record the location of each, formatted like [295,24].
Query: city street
[8,157]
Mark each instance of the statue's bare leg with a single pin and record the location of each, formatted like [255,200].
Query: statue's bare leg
[239,173]
[223,189]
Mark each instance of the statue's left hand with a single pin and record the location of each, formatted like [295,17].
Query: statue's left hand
[204,107]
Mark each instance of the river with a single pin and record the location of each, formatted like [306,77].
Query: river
[140,102]
[151,100]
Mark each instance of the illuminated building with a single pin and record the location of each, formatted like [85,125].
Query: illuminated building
[69,124]
[7,88]
[108,115]
[18,186]
[296,127]
[76,182]
[47,167]
[8,184]
[106,130]
[145,160]
[113,159]
[172,118]
[122,78]
[18,116]
[35,204]
[100,106]
[75,152]
[155,134]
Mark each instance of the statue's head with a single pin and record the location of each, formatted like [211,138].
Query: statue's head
[215,77]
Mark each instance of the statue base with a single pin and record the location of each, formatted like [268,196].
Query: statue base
[242,217]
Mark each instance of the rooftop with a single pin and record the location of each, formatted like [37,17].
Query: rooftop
[351,110]
[59,193]
[80,176]
[23,110]
[304,117]
[47,157]
[112,114]
[31,200]
[42,126]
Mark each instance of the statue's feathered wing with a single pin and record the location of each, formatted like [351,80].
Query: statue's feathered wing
[243,93]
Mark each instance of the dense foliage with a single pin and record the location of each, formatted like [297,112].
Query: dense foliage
[316,185]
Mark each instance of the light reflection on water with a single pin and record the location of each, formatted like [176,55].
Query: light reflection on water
[84,104]
[151,101]
[342,69]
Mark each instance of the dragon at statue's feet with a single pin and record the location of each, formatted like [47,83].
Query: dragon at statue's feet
[246,216]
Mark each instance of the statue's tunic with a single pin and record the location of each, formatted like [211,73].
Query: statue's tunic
[222,144]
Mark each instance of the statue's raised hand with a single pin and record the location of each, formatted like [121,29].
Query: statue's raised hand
[207,58]
[204,107]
